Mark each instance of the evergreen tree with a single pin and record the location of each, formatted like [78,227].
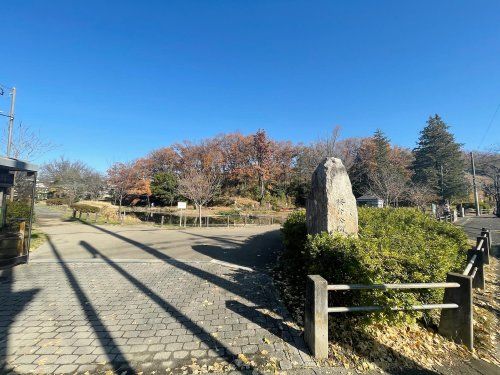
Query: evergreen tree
[438,161]
[164,187]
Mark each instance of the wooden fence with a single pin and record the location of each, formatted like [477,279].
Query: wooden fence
[456,320]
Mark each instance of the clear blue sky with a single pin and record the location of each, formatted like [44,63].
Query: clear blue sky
[112,80]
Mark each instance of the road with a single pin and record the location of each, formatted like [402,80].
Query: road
[142,299]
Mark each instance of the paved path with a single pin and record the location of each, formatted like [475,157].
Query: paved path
[97,298]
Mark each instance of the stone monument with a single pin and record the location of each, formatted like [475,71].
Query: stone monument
[331,206]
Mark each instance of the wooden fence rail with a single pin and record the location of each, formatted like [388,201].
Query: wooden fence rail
[456,320]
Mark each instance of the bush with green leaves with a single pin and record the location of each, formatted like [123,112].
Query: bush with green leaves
[56,201]
[394,246]
[85,208]
[18,211]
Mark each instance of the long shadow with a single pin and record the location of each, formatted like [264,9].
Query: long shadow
[270,323]
[188,323]
[111,349]
[230,286]
[235,288]
[260,252]
[11,304]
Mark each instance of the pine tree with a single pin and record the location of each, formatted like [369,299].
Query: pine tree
[381,152]
[438,161]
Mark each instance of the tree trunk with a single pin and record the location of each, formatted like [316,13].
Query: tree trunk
[199,213]
[262,192]
[120,209]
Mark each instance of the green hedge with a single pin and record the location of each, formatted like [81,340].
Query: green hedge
[18,210]
[56,201]
[394,246]
[85,208]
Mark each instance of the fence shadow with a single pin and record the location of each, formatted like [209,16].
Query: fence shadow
[272,324]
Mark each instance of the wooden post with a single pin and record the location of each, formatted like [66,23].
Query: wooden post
[79,214]
[316,316]
[96,216]
[484,248]
[487,233]
[228,221]
[477,272]
[74,213]
[457,324]
[245,218]
[20,242]
[208,219]
[162,220]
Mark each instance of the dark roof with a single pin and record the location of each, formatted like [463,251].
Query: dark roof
[17,165]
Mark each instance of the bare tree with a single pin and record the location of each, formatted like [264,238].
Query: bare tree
[26,143]
[66,178]
[95,184]
[200,186]
[388,183]
[122,179]
[421,195]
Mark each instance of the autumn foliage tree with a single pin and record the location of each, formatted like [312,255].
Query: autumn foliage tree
[122,180]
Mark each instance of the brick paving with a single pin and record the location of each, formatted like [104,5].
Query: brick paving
[73,317]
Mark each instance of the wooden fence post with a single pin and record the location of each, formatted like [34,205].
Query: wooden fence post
[162,220]
[477,268]
[96,216]
[457,324]
[484,248]
[487,233]
[316,316]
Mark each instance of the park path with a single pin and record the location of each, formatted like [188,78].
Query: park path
[139,299]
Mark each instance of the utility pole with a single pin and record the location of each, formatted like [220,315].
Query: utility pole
[476,198]
[11,120]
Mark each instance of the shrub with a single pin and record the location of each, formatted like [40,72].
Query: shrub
[56,201]
[394,246]
[85,208]
[18,210]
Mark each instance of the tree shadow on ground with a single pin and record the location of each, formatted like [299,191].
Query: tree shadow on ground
[11,304]
[211,342]
[115,357]
[259,252]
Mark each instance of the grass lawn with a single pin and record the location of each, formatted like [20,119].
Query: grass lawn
[37,239]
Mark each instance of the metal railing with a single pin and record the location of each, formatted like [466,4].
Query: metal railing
[456,320]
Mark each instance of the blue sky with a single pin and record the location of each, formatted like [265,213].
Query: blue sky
[111,80]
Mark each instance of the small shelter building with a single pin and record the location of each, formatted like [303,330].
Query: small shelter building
[17,198]
[369,200]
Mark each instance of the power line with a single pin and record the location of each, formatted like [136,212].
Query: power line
[489,126]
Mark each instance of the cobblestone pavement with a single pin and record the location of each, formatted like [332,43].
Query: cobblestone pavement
[78,317]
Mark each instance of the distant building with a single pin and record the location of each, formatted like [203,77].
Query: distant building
[42,191]
[370,201]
